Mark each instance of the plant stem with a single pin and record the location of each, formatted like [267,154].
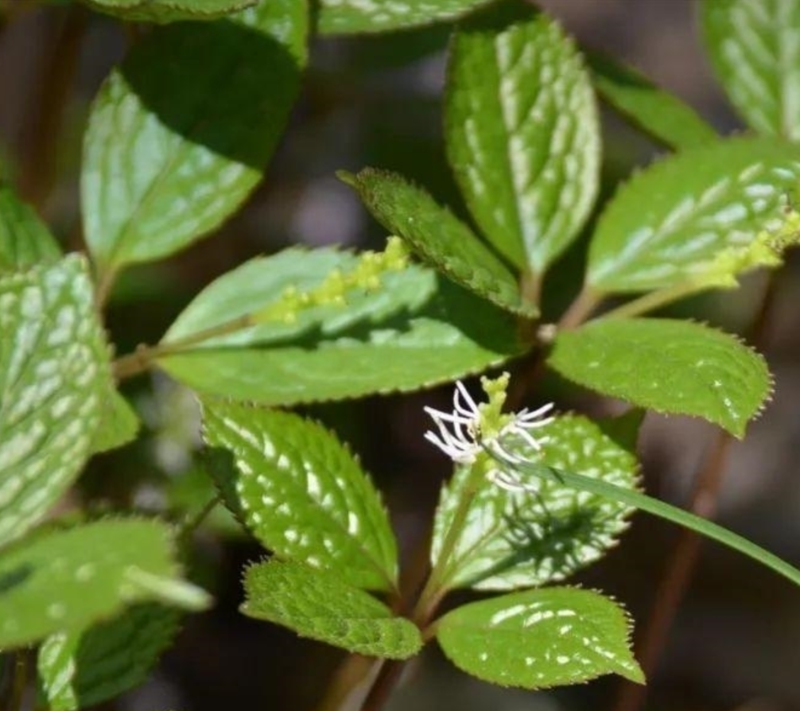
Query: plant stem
[431,595]
[142,358]
[683,560]
[19,682]
[653,300]
[388,677]
[191,523]
[39,165]
[531,288]
[580,309]
[349,675]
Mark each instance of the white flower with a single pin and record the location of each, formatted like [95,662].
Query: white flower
[465,432]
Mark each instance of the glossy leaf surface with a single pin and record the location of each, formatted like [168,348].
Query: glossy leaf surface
[668,366]
[301,492]
[355,16]
[523,539]
[54,374]
[667,222]
[170,151]
[417,329]
[540,638]
[522,132]
[754,46]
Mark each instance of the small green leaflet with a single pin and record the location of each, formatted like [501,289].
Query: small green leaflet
[54,376]
[754,46]
[668,366]
[66,580]
[670,220]
[540,638]
[24,239]
[517,539]
[355,16]
[522,131]
[82,669]
[167,10]
[170,152]
[661,115]
[319,605]
[438,236]
[417,329]
[301,492]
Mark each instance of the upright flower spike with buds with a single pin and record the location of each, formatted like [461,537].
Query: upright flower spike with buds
[472,429]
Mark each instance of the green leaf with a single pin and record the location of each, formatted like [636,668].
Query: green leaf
[167,10]
[301,492]
[54,370]
[24,238]
[85,668]
[540,638]
[513,539]
[440,238]
[668,221]
[668,366]
[754,46]
[64,581]
[659,113]
[356,16]
[657,508]
[416,330]
[119,423]
[170,151]
[522,131]
[320,606]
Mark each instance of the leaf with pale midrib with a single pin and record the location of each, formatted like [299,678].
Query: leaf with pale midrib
[754,46]
[521,131]
[173,146]
[670,220]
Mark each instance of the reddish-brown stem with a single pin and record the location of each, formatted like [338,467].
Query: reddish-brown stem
[381,690]
[19,682]
[39,164]
[680,567]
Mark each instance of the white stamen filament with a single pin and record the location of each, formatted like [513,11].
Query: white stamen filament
[462,441]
